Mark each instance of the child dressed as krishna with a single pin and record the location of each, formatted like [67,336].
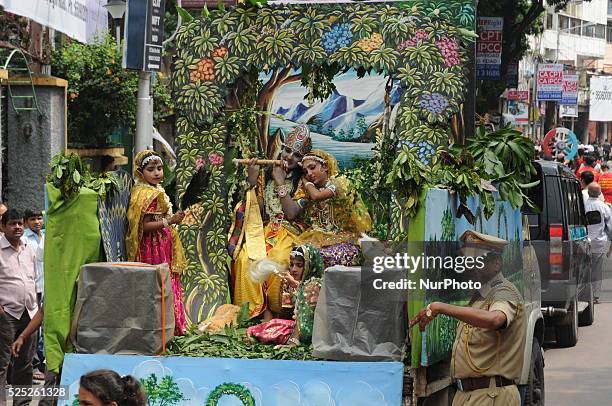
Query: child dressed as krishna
[266,225]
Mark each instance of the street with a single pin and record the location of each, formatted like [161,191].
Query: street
[583,374]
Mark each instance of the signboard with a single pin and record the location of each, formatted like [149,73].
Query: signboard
[79,19]
[489,48]
[512,75]
[568,110]
[550,82]
[184,381]
[144,35]
[570,89]
[518,112]
[518,94]
[601,99]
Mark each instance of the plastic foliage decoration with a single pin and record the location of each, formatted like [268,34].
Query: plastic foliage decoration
[69,174]
[423,50]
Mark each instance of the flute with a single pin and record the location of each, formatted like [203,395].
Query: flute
[265,162]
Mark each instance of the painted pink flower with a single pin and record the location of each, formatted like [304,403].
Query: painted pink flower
[406,44]
[215,159]
[421,34]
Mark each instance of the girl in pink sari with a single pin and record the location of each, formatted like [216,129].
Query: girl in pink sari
[152,237]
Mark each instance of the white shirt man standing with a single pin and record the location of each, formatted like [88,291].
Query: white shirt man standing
[599,233]
[17,302]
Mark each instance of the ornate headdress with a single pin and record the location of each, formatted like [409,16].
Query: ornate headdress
[299,140]
[142,159]
[323,158]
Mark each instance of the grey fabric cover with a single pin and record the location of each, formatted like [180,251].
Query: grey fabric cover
[118,308]
[356,324]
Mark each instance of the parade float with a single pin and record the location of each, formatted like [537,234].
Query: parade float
[381,86]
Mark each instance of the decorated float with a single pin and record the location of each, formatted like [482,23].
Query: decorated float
[380,87]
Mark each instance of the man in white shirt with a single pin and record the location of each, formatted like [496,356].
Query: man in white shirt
[17,302]
[599,234]
[587,178]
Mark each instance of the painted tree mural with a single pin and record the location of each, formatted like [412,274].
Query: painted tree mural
[419,45]
[164,392]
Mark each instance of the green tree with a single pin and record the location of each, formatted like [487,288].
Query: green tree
[362,127]
[161,393]
[101,94]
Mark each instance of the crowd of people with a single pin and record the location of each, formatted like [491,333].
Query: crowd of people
[593,168]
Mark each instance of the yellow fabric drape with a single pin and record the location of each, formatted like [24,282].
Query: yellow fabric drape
[253,248]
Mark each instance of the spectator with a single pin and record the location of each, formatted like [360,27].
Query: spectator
[599,234]
[105,387]
[579,157]
[17,302]
[561,158]
[586,178]
[605,181]
[589,149]
[31,328]
[108,164]
[589,166]
[606,150]
[34,235]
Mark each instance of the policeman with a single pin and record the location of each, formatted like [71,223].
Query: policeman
[488,349]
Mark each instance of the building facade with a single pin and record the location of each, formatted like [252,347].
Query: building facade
[580,38]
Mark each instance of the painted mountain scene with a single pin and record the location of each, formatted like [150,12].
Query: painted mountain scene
[345,124]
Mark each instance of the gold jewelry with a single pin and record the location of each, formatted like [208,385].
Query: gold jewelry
[165,222]
[282,191]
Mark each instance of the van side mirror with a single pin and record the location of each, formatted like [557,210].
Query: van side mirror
[593,217]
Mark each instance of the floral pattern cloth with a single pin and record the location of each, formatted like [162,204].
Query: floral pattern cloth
[345,253]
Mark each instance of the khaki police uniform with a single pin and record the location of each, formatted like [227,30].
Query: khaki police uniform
[490,357]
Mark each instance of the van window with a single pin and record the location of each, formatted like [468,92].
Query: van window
[581,220]
[569,192]
[554,210]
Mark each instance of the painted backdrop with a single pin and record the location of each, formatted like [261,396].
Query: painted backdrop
[235,382]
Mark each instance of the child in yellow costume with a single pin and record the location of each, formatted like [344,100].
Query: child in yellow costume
[151,237]
[333,209]
[272,235]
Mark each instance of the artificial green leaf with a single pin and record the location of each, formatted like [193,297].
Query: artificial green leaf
[186,17]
